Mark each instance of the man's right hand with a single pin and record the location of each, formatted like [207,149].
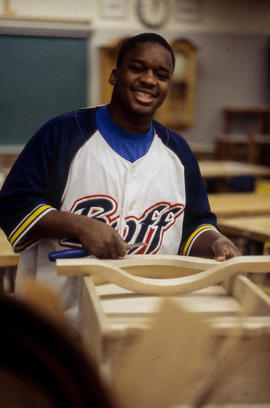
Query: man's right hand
[97,238]
[101,240]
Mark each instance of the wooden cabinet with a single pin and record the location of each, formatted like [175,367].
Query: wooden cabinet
[255,118]
[246,135]
[178,110]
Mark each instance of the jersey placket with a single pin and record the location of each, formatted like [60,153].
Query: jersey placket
[128,201]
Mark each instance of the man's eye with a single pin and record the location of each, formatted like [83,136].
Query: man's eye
[135,68]
[162,76]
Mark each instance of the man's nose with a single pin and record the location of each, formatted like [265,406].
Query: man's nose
[148,77]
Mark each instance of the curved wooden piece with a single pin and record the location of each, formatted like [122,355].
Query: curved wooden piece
[211,276]
[158,266]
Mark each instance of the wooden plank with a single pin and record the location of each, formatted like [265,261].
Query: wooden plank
[249,295]
[250,326]
[93,325]
[120,303]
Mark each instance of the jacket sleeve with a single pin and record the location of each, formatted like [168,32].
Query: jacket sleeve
[198,216]
[37,179]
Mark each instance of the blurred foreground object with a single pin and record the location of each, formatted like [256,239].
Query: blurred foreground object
[41,363]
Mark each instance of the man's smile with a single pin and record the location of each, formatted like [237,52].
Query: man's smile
[144,96]
[141,85]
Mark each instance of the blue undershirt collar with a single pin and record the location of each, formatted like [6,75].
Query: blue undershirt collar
[128,145]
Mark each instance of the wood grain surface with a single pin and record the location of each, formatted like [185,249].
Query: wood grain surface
[113,272]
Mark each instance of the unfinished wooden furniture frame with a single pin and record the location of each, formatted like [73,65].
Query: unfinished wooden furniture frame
[113,318]
[116,271]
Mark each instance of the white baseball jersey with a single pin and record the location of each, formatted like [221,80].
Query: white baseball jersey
[159,198]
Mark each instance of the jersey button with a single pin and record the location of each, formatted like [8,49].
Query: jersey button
[130,208]
[132,170]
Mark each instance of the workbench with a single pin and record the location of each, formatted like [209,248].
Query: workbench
[239,204]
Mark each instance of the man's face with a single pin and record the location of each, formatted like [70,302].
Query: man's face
[141,82]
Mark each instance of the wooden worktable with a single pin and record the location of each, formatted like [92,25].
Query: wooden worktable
[227,169]
[239,204]
[256,228]
[7,255]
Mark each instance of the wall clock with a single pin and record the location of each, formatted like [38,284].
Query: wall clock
[153,13]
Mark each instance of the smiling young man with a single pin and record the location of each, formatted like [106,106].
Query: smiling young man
[141,82]
[111,175]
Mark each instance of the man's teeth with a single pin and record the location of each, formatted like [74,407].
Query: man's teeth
[144,95]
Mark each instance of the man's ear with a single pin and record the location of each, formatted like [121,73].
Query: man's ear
[113,77]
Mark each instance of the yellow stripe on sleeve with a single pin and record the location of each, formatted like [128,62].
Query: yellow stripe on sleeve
[193,235]
[19,248]
[28,221]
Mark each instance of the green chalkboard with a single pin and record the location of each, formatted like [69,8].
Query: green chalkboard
[40,77]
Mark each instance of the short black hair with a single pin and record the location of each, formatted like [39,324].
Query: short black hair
[131,43]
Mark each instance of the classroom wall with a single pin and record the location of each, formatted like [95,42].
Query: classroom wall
[232,39]
[216,15]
